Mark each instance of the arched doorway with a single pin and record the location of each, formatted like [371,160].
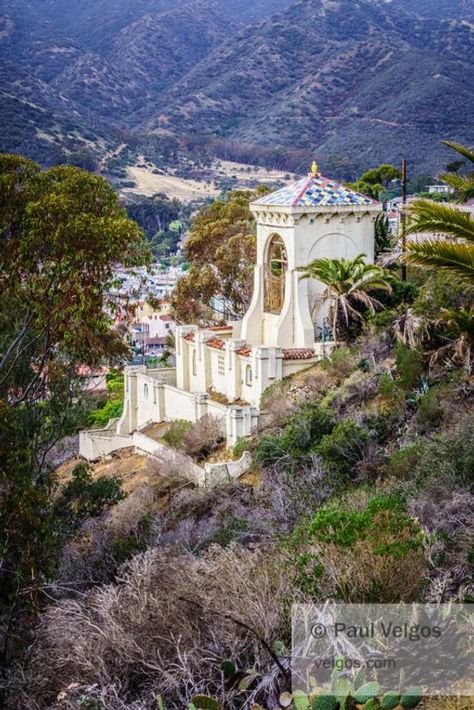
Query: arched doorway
[276,266]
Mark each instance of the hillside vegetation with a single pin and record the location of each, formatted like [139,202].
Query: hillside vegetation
[362,491]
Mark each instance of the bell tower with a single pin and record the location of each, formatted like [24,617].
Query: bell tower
[309,219]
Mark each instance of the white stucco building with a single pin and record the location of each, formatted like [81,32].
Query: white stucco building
[223,371]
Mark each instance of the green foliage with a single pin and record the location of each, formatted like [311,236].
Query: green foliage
[359,553]
[62,232]
[84,497]
[372,704]
[438,292]
[447,454]
[228,669]
[113,407]
[175,433]
[383,236]
[344,447]
[411,698]
[128,546]
[382,175]
[299,438]
[231,530]
[432,405]
[344,528]
[456,255]
[341,363]
[403,292]
[242,445]
[410,367]
[221,251]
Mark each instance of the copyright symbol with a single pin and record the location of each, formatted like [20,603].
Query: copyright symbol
[318,631]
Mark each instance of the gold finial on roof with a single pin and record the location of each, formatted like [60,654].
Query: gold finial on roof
[314,168]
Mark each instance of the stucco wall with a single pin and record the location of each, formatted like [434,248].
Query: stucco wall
[308,233]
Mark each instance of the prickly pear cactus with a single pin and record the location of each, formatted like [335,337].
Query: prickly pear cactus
[324,702]
[411,698]
[372,704]
[390,701]
[367,692]
[204,702]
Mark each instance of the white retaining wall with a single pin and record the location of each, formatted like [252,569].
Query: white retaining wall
[98,443]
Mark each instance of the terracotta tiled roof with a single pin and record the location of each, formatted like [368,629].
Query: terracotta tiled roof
[298,354]
[245,351]
[166,318]
[190,337]
[216,343]
[221,327]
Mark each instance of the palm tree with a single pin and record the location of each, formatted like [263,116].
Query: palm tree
[348,282]
[455,254]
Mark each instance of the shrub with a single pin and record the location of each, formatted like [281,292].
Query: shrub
[448,454]
[403,462]
[242,445]
[341,364]
[438,292]
[409,365]
[345,447]
[113,405]
[371,554]
[168,610]
[203,438]
[84,497]
[175,433]
[299,438]
[432,406]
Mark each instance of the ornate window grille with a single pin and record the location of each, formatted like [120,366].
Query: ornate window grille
[275,272]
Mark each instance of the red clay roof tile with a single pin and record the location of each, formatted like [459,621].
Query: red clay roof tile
[298,354]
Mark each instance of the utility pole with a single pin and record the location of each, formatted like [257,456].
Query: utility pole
[404,201]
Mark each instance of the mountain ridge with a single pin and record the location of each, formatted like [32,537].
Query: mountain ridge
[366,81]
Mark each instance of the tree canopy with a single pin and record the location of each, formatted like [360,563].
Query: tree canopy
[221,252]
[62,234]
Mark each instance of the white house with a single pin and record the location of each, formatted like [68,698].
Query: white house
[158,325]
[223,371]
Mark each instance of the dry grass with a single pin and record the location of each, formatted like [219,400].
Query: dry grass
[164,627]
[184,189]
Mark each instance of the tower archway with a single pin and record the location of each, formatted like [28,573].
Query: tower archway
[276,266]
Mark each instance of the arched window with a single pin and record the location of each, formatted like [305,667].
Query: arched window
[248,375]
[275,271]
[145,391]
[194,362]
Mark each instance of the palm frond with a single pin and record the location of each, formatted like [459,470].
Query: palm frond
[435,218]
[458,259]
[462,185]
[461,149]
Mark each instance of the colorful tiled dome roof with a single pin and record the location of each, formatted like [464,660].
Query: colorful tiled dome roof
[315,191]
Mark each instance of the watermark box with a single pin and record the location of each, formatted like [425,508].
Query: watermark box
[398,646]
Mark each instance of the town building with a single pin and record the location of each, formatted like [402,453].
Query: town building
[224,371]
